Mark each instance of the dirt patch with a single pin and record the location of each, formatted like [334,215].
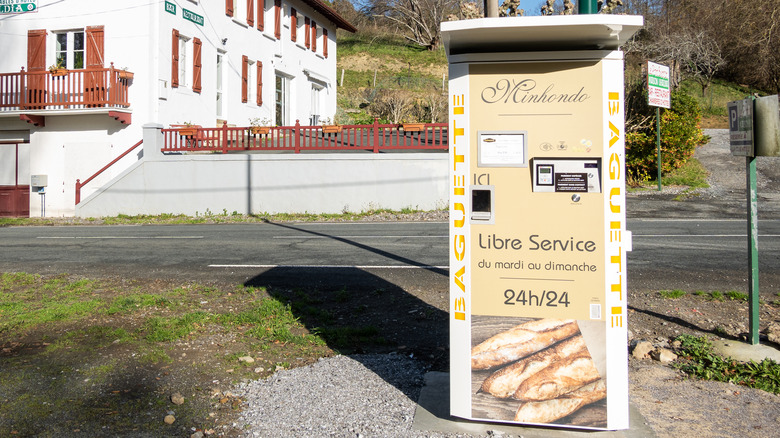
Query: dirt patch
[103,373]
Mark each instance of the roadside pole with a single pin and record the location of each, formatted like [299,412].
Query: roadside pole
[752,200]
[742,143]
[658,142]
[658,95]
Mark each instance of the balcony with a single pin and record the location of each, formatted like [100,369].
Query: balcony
[34,95]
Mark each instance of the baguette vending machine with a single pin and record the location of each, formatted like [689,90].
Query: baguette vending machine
[538,235]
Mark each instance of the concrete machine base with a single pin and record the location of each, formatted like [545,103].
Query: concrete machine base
[433,414]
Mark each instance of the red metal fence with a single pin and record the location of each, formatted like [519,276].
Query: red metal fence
[71,89]
[374,138]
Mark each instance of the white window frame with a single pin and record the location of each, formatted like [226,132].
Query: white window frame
[220,84]
[316,102]
[185,58]
[251,82]
[70,52]
[285,98]
[240,14]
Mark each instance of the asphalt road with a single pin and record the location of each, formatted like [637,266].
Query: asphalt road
[667,253]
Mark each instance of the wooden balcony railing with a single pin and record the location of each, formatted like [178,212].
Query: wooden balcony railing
[297,138]
[71,89]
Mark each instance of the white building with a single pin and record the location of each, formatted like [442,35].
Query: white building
[192,61]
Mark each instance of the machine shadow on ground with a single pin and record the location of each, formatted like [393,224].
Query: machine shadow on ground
[356,311]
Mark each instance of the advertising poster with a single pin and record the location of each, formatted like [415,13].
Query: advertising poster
[537,245]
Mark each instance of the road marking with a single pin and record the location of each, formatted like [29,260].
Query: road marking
[333,266]
[119,237]
[304,236]
[702,235]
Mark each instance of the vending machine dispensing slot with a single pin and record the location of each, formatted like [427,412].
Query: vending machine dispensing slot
[482,204]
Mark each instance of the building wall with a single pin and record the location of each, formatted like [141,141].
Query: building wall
[271,183]
[138,36]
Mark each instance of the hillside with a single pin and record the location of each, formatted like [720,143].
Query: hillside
[382,76]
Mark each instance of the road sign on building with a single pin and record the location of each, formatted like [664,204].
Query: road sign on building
[18,6]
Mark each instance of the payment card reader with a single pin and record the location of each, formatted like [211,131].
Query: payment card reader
[567,175]
[538,311]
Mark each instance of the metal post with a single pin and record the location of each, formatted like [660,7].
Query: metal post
[224,137]
[297,136]
[491,8]
[658,142]
[376,135]
[752,200]
[587,7]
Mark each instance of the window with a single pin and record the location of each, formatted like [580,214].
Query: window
[184,55]
[220,102]
[251,80]
[69,49]
[282,100]
[180,52]
[316,91]
[238,12]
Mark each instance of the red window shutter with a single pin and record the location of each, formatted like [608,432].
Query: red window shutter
[244,78]
[36,50]
[250,9]
[293,24]
[313,36]
[95,37]
[307,32]
[325,42]
[229,8]
[260,14]
[196,65]
[278,19]
[175,60]
[259,83]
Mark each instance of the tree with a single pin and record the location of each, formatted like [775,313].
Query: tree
[691,51]
[420,20]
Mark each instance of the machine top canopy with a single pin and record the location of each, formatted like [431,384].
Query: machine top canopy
[533,34]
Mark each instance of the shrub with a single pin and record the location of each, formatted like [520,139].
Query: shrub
[680,134]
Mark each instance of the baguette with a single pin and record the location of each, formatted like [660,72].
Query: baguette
[559,378]
[521,341]
[548,411]
[504,382]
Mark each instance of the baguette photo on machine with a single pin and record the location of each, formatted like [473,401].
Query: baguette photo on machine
[505,382]
[521,341]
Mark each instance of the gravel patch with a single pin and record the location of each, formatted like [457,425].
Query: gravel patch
[362,395]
